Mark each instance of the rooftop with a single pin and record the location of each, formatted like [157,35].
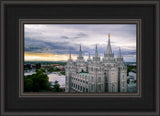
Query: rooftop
[133,70]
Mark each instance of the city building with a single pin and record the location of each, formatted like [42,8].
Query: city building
[27,66]
[132,74]
[131,87]
[96,75]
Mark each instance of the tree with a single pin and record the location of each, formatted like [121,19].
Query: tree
[37,82]
[63,73]
[128,81]
[40,81]
[129,68]
[50,69]
[56,86]
[43,70]
[28,84]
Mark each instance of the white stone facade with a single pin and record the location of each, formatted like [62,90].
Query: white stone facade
[96,75]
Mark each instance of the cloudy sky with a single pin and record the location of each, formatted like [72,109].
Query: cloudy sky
[52,42]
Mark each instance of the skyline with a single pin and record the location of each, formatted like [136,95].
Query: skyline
[52,42]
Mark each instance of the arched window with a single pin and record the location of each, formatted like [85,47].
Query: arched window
[92,79]
[91,87]
[99,88]
[86,90]
[112,77]
[112,88]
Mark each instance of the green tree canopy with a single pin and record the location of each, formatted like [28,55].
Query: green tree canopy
[37,82]
[128,81]
[28,84]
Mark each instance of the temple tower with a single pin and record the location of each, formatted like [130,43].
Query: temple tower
[69,69]
[80,63]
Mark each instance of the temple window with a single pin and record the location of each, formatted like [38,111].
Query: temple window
[91,87]
[99,79]
[112,77]
[92,79]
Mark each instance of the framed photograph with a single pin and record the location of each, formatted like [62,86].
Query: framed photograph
[91,68]
[79,58]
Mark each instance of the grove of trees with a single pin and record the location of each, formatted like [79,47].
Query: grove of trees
[39,82]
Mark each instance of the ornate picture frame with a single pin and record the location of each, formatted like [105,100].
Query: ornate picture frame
[14,14]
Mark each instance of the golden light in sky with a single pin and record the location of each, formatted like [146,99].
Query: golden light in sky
[30,56]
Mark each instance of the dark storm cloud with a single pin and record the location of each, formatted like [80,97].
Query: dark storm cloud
[79,35]
[52,47]
[33,49]
[82,35]
[64,37]
[54,38]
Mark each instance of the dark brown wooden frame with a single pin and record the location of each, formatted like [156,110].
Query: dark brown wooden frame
[8,106]
[81,21]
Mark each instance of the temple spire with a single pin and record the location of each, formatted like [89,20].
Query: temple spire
[70,58]
[80,47]
[119,54]
[109,49]
[108,38]
[96,52]
[80,52]
[70,55]
[89,58]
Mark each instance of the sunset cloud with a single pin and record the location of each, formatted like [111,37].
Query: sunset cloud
[29,56]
